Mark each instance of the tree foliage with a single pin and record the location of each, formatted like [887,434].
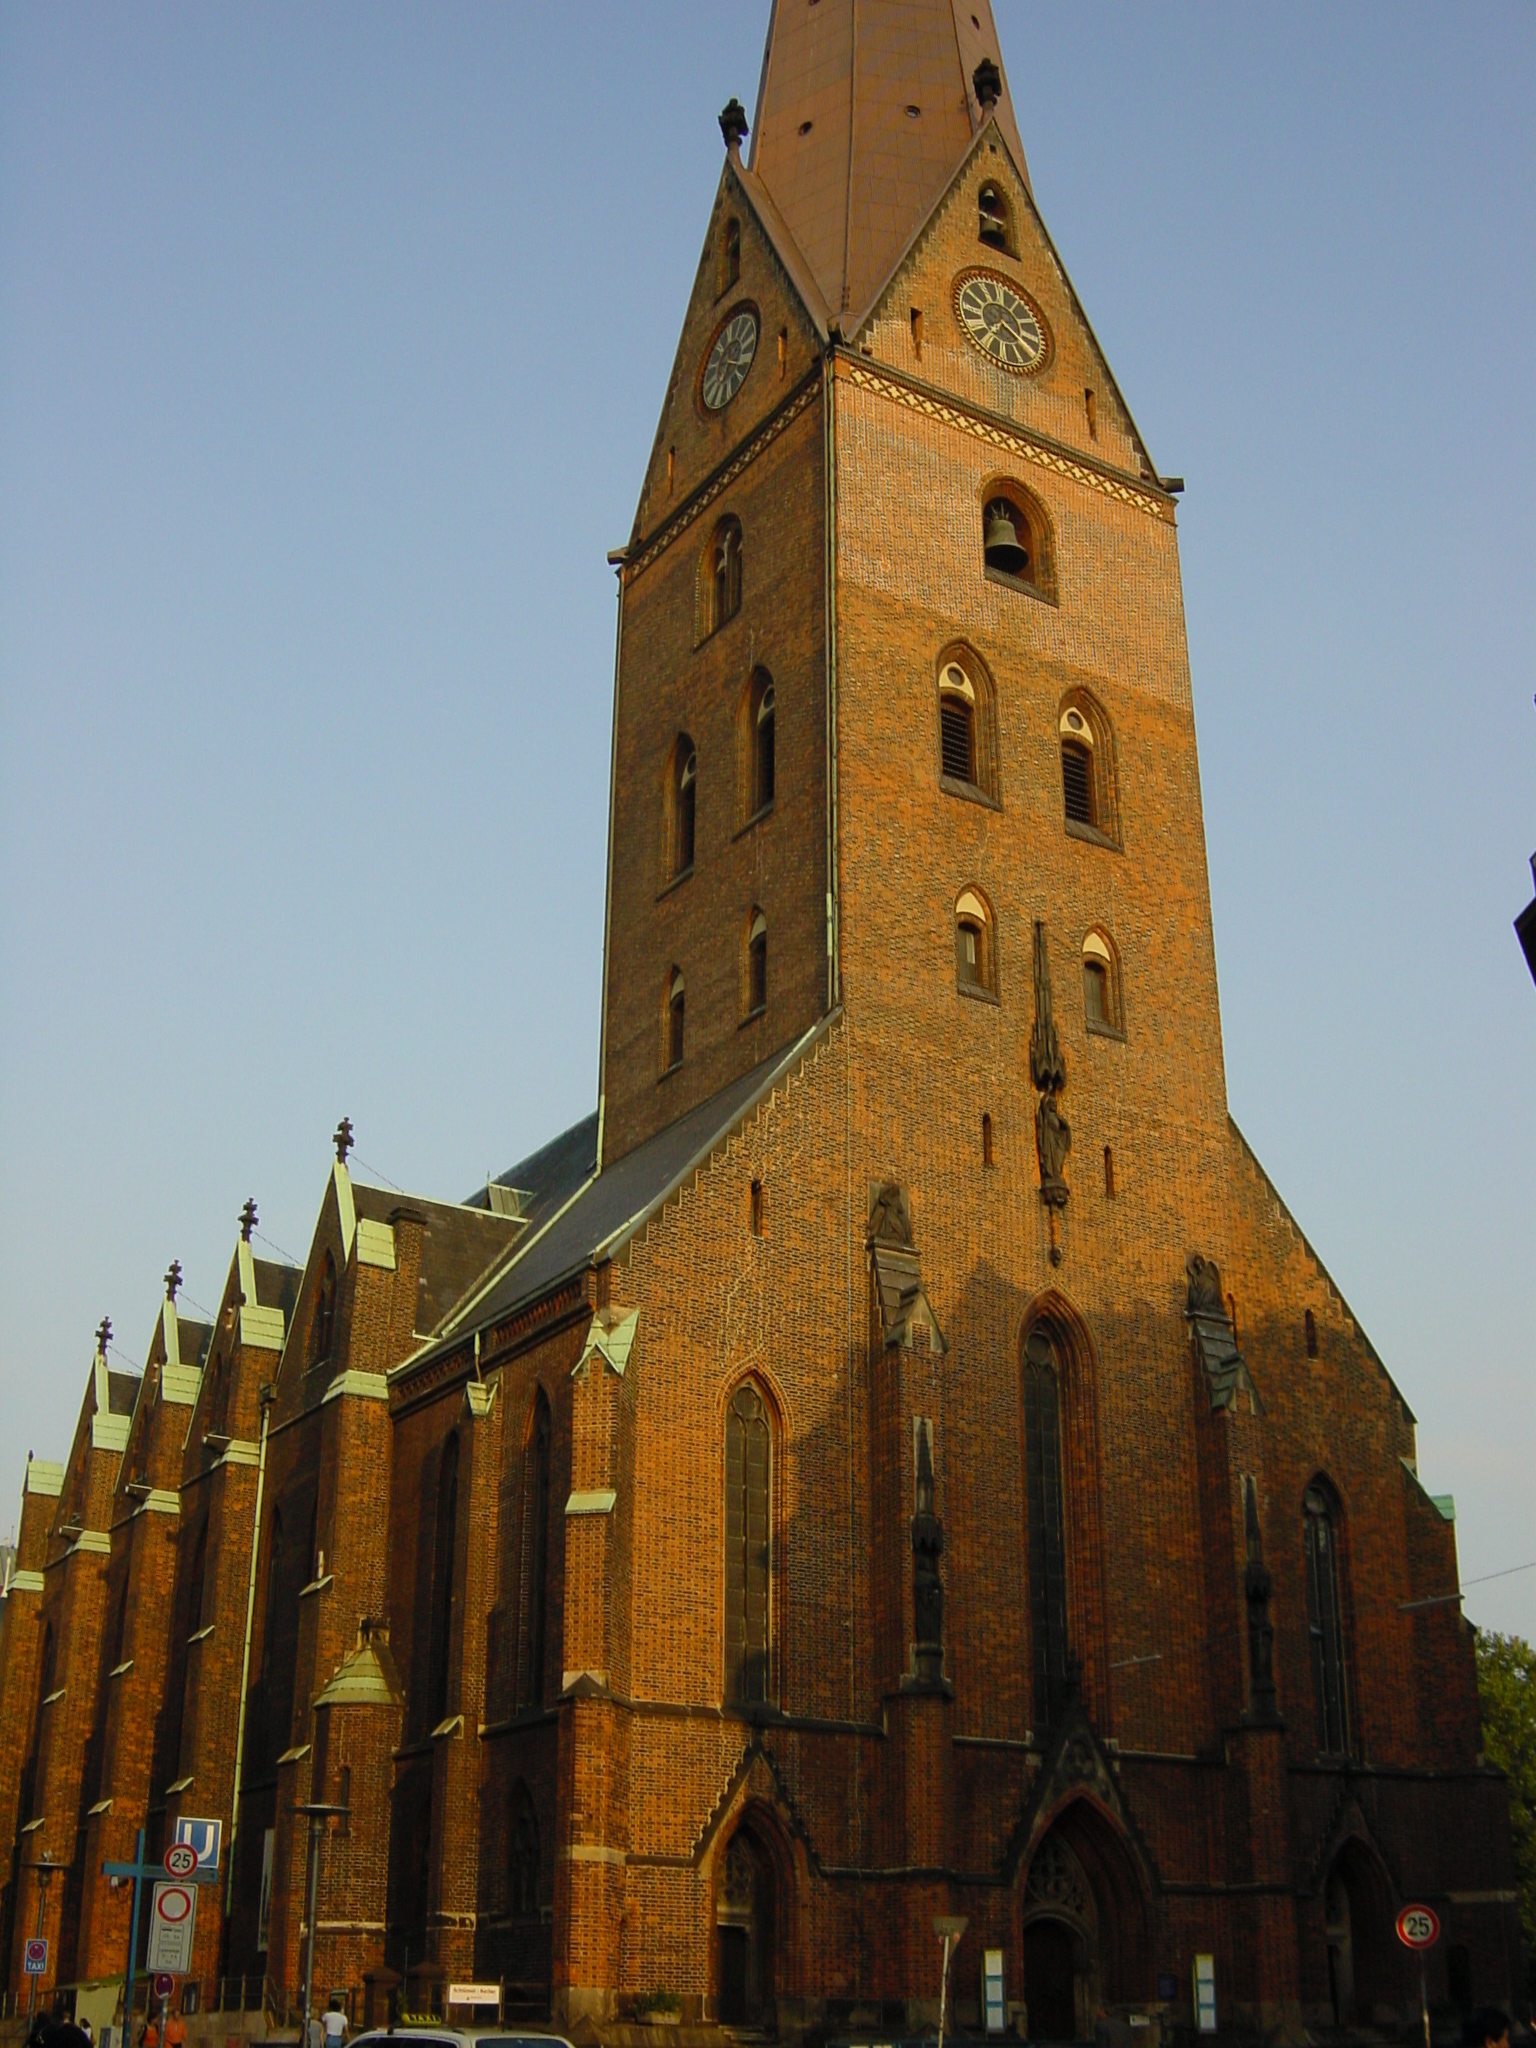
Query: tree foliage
[1506,1684]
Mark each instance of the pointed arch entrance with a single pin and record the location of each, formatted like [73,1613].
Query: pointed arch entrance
[752,1923]
[1364,1971]
[1083,1925]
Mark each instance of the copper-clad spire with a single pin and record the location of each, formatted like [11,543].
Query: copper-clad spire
[865,109]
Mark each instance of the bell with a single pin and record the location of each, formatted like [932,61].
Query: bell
[1000,547]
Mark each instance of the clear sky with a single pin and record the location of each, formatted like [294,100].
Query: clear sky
[332,344]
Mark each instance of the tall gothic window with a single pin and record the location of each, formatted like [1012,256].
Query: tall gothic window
[523,1857]
[673,1018]
[723,567]
[323,1329]
[444,1539]
[682,799]
[1047,1537]
[535,1548]
[1325,1616]
[748,1477]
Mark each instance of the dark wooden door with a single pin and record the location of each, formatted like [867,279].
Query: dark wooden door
[734,1943]
[1048,1981]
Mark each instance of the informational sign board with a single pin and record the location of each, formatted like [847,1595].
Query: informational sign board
[1418,1927]
[1205,1994]
[172,1921]
[205,1838]
[994,2010]
[34,1961]
[475,1994]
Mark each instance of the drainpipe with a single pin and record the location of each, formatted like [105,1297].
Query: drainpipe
[268,1393]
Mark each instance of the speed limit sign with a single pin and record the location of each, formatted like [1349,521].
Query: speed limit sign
[180,1859]
[1418,1927]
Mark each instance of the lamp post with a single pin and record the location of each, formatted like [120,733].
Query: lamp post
[45,1867]
[318,1815]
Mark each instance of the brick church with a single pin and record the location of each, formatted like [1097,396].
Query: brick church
[899,1457]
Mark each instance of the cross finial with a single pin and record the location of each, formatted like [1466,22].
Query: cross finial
[988,81]
[172,1279]
[248,1218]
[733,124]
[103,1335]
[343,1139]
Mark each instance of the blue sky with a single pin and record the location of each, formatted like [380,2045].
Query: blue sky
[332,343]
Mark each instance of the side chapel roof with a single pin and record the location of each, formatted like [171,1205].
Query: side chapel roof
[864,110]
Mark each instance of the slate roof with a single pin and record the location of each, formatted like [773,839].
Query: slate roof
[458,1244]
[601,1214]
[122,1392]
[277,1285]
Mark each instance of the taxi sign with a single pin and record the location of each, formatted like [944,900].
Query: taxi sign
[34,1961]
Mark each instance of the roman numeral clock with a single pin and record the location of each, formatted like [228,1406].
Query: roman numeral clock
[1001,322]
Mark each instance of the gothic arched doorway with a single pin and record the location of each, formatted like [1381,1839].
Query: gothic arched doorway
[1085,1939]
[746,1927]
[1050,1980]
[1363,1972]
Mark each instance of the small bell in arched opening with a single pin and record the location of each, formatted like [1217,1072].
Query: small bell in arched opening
[1001,546]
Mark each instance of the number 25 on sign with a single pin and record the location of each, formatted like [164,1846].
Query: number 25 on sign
[1418,1927]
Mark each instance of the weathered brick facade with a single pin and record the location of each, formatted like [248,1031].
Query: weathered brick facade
[811,1497]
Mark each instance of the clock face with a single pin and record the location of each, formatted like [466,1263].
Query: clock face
[1001,322]
[727,364]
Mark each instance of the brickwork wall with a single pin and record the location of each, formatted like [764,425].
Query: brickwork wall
[671,682]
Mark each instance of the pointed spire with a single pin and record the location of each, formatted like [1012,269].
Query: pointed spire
[103,1336]
[342,1140]
[173,1280]
[247,1219]
[863,117]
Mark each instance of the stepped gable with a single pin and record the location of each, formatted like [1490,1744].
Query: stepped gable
[864,110]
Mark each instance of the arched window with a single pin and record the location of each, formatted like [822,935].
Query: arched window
[1087,770]
[1016,545]
[322,1330]
[748,1547]
[755,978]
[730,257]
[757,737]
[1325,1616]
[975,953]
[994,226]
[967,725]
[957,723]
[722,576]
[444,1538]
[1101,986]
[1309,1331]
[535,1549]
[986,1138]
[679,809]
[1047,1530]
[672,1022]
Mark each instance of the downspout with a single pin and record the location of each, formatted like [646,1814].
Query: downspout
[829,458]
[267,1394]
[617,559]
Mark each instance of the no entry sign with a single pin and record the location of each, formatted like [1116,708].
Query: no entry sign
[1418,1927]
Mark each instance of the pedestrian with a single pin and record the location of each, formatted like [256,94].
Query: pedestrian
[314,2033]
[175,2030]
[334,2025]
[150,2038]
[1486,2027]
[86,2029]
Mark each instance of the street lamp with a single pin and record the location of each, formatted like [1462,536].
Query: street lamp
[318,1815]
[45,1867]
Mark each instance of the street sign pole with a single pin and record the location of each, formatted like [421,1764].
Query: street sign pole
[137,1871]
[949,1928]
[318,1815]
[133,1945]
[45,1869]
